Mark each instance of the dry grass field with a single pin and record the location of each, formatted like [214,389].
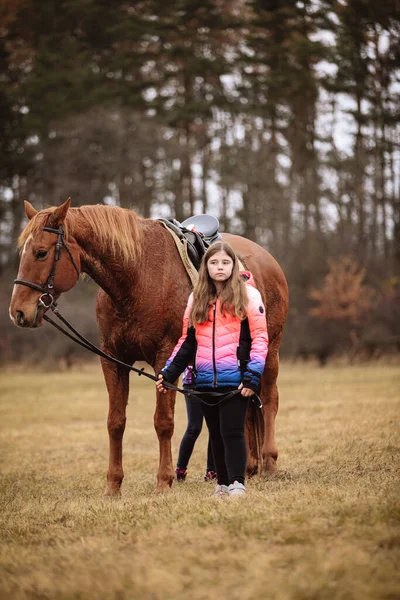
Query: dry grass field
[325,526]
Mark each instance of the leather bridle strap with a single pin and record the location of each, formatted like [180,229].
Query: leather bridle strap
[33,286]
[47,288]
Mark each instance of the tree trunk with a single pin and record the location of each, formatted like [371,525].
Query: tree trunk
[204,177]
[178,194]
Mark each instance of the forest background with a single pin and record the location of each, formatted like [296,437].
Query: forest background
[280,117]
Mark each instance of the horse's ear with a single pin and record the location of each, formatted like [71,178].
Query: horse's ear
[29,210]
[57,217]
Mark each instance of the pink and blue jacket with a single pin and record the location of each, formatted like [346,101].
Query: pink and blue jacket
[213,347]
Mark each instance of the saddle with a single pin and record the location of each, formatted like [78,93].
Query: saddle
[199,231]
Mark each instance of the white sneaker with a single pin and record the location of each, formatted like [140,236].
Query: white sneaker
[221,490]
[236,489]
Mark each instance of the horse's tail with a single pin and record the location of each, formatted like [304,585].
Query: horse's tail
[256,436]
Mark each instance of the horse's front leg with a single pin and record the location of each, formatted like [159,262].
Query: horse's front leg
[164,426]
[117,381]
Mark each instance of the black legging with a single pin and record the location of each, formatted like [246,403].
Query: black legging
[195,422]
[226,422]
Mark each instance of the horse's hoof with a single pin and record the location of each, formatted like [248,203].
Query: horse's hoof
[112,495]
[252,466]
[270,465]
[252,470]
[163,486]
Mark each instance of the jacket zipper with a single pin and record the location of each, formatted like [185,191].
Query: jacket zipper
[213,346]
[194,363]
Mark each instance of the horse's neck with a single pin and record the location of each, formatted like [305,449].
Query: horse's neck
[105,266]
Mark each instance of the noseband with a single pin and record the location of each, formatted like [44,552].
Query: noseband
[47,299]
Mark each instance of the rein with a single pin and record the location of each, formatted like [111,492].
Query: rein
[78,338]
[85,343]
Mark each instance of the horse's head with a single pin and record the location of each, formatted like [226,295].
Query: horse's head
[49,264]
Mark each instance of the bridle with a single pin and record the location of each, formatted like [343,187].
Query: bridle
[47,298]
[47,292]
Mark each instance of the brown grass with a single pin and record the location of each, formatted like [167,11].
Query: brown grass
[325,526]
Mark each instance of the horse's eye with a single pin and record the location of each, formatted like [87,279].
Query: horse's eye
[41,254]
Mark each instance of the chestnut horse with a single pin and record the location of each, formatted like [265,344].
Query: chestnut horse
[143,292]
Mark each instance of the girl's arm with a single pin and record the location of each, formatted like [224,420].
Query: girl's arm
[259,341]
[182,358]
[184,350]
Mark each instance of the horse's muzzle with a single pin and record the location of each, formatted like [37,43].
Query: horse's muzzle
[21,320]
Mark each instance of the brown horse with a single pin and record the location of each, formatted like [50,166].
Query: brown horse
[143,292]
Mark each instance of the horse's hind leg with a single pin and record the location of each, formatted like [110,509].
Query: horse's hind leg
[254,433]
[267,451]
[117,381]
[270,399]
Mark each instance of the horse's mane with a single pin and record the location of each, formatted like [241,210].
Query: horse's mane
[113,226]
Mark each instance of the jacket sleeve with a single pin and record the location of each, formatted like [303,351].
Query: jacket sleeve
[184,350]
[259,342]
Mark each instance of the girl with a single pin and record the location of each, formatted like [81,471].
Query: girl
[226,341]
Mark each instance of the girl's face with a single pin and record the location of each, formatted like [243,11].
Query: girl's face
[220,267]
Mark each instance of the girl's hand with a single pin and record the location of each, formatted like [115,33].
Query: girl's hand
[159,385]
[245,391]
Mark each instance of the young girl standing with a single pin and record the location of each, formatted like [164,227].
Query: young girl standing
[225,342]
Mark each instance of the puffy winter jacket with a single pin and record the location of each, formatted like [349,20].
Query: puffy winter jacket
[212,347]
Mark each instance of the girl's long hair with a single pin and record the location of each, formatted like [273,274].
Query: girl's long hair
[233,295]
